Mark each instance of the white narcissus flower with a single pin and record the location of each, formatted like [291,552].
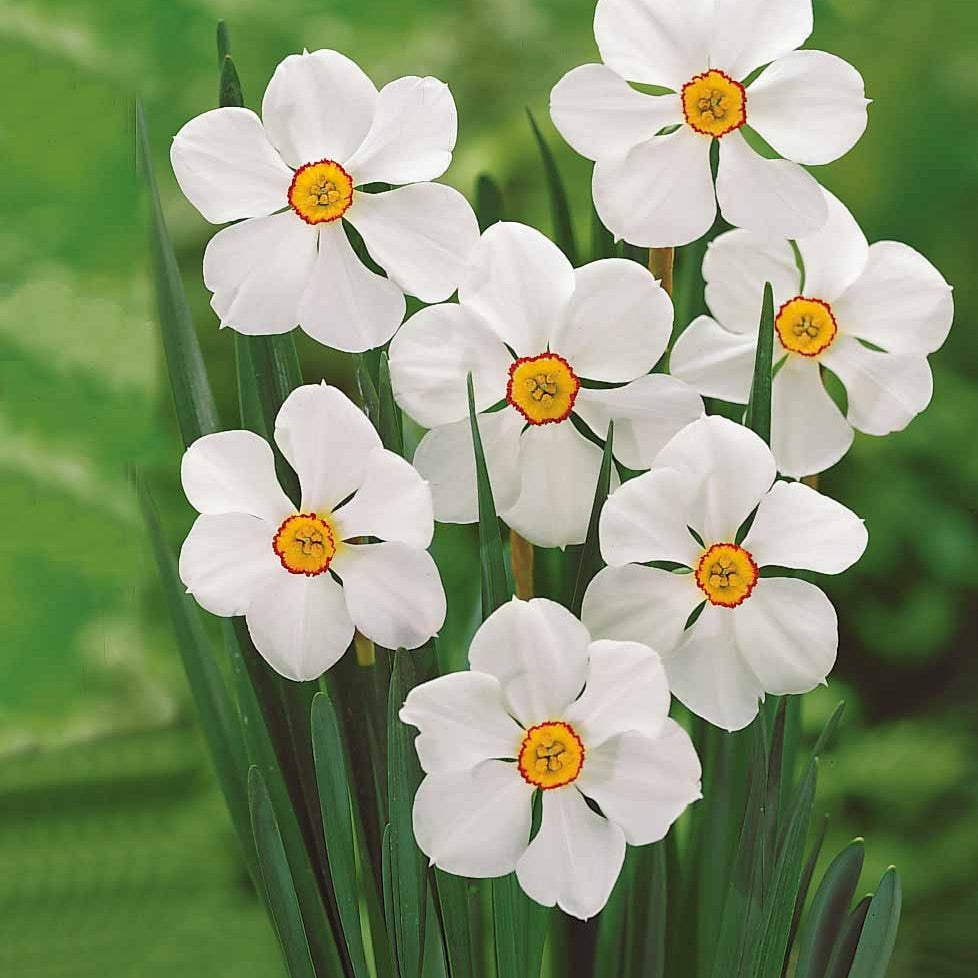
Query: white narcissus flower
[653,183]
[529,328]
[870,315]
[754,634]
[290,179]
[304,579]
[518,722]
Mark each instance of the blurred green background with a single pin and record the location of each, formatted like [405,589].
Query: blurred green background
[116,857]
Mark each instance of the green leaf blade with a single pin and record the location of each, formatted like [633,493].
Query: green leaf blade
[758,417]
[563,227]
[591,561]
[879,931]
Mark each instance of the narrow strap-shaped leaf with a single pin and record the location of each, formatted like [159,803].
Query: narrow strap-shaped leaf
[828,731]
[334,803]
[563,227]
[829,910]
[591,561]
[774,772]
[496,587]
[215,709]
[848,941]
[408,868]
[391,425]
[282,901]
[368,390]
[520,929]
[802,896]
[229,85]
[453,897]
[488,201]
[646,938]
[758,417]
[192,398]
[223,41]
[879,931]
[390,906]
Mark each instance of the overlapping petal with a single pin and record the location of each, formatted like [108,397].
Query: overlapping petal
[660,192]
[422,235]
[412,134]
[257,271]
[715,361]
[227,168]
[539,653]
[393,592]
[750,33]
[600,114]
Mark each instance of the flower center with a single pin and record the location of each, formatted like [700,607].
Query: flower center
[806,326]
[305,544]
[714,104]
[543,389]
[551,755]
[726,574]
[321,192]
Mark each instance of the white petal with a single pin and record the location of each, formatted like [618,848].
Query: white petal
[431,356]
[618,298]
[660,192]
[797,527]
[735,268]
[446,458]
[714,361]
[886,390]
[393,592]
[640,604]
[474,823]
[346,305]
[770,197]
[647,413]
[751,33]
[835,256]
[810,107]
[808,432]
[600,114]
[643,784]
[575,858]
[318,106]
[645,519]
[709,675]
[559,474]
[626,690]
[327,439]
[901,302]
[463,720]
[727,469]
[227,168]
[258,270]
[234,472]
[300,625]
[393,503]
[422,235]
[520,282]
[227,560]
[658,42]
[539,653]
[787,630]
[412,136]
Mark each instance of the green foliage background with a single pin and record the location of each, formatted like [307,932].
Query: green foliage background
[116,856]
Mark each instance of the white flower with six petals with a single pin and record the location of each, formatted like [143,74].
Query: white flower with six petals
[290,180]
[871,315]
[304,579]
[754,634]
[655,188]
[529,327]
[519,722]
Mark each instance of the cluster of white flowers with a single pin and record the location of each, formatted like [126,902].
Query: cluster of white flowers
[577,710]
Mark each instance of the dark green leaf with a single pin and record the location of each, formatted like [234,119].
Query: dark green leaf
[334,803]
[845,948]
[192,397]
[563,228]
[879,931]
[280,892]
[496,589]
[520,929]
[456,903]
[214,706]
[223,42]
[828,732]
[408,867]
[391,426]
[802,896]
[229,87]
[758,417]
[591,561]
[647,921]
[488,201]
[829,910]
